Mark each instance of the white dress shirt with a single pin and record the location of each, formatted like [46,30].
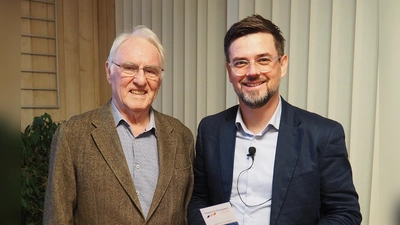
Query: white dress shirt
[255,184]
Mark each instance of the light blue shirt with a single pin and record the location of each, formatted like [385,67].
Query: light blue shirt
[141,154]
[255,185]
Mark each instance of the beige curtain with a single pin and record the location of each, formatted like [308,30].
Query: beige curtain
[333,65]
[389,115]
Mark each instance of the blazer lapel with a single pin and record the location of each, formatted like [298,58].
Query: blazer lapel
[287,153]
[227,138]
[167,144]
[106,138]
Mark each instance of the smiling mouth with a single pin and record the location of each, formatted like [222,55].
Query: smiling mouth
[136,92]
[254,84]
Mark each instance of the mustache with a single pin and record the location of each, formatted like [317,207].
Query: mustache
[255,79]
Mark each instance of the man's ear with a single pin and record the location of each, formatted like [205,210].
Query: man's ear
[284,62]
[108,72]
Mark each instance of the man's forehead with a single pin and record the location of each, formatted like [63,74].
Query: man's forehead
[258,44]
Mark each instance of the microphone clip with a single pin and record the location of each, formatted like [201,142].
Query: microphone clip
[252,152]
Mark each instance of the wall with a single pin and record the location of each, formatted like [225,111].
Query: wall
[333,65]
[85,31]
[9,62]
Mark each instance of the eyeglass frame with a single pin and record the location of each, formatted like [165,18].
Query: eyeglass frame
[255,64]
[121,66]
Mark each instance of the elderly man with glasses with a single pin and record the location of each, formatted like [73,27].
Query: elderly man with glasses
[123,163]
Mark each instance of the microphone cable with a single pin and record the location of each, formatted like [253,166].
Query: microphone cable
[252,151]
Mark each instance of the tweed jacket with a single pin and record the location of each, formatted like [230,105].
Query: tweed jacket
[89,181]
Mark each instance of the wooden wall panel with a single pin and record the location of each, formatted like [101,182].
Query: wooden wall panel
[87,97]
[106,34]
[85,30]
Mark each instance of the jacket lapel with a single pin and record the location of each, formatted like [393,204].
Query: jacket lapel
[106,138]
[167,144]
[227,138]
[287,153]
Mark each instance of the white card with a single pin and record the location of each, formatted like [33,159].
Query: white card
[221,214]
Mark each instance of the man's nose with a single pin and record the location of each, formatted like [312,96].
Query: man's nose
[140,77]
[252,69]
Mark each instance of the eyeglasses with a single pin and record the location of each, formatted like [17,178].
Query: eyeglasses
[263,64]
[131,69]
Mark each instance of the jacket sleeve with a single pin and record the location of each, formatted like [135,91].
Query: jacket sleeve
[339,199]
[60,195]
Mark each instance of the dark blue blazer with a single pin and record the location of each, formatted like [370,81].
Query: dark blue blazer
[312,181]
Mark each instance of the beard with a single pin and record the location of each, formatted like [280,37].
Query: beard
[254,101]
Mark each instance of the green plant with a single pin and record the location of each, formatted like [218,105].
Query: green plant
[36,141]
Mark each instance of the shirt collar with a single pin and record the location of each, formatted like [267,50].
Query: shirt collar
[120,120]
[274,121]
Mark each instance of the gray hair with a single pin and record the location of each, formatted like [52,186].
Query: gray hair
[139,31]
